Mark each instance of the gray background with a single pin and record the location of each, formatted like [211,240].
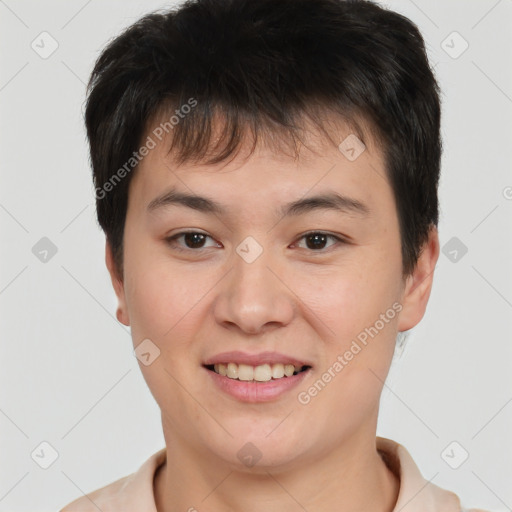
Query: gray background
[68,376]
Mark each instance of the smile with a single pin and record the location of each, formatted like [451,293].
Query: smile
[256,384]
[260,373]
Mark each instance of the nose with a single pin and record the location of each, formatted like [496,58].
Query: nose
[253,298]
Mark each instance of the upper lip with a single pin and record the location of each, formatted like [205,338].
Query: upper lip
[238,357]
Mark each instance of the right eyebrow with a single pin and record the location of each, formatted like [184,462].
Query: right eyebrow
[173,197]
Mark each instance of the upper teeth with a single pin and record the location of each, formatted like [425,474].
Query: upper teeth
[261,373]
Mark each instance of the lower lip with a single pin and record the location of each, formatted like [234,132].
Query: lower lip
[255,392]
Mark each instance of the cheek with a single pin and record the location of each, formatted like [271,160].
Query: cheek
[162,301]
[160,297]
[356,358]
[349,299]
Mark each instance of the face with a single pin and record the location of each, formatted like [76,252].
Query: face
[282,262]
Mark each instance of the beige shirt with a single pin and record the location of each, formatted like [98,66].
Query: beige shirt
[134,493]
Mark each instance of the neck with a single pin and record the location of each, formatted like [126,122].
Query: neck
[351,478]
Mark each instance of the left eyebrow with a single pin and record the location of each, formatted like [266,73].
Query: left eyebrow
[327,201]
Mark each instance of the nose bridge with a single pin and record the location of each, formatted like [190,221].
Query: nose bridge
[252,297]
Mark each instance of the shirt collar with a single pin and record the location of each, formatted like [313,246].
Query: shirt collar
[416,493]
[136,492]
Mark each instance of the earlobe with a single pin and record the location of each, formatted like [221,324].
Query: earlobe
[118,285]
[419,284]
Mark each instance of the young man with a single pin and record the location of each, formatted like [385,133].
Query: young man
[266,176]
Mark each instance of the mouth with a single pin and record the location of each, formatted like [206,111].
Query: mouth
[256,378]
[258,374]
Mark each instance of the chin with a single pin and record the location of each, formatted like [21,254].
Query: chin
[253,450]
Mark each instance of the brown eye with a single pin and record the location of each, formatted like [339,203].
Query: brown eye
[192,240]
[317,240]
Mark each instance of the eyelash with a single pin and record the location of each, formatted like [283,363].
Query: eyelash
[172,240]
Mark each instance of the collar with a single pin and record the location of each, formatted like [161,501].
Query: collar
[135,492]
[416,494]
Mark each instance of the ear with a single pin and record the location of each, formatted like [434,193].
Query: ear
[117,283]
[419,284]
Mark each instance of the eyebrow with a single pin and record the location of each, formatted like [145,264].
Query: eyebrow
[326,201]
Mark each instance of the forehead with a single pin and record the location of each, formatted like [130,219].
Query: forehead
[271,173]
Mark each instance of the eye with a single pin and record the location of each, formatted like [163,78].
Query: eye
[317,240]
[195,241]
[192,239]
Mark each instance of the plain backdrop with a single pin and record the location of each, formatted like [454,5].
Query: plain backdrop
[68,376]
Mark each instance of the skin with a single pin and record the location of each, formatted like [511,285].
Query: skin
[301,301]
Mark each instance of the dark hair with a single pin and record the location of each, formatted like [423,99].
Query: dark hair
[261,68]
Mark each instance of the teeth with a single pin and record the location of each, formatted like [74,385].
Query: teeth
[289,369]
[232,371]
[261,373]
[245,372]
[277,371]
